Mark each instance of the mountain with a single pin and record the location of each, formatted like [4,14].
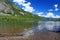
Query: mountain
[7,7]
[50,19]
[58,19]
[10,9]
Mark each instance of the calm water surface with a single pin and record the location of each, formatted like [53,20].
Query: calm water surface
[45,30]
[38,30]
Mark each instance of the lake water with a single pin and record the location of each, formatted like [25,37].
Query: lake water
[45,30]
[37,30]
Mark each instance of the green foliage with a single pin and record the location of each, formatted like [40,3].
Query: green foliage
[17,11]
[14,24]
[58,19]
[8,13]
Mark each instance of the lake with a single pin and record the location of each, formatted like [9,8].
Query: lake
[33,30]
[45,30]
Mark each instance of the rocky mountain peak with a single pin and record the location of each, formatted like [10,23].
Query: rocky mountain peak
[10,8]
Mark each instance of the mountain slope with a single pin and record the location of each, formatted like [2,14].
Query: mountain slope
[10,9]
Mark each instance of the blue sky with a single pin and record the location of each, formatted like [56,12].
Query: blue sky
[44,8]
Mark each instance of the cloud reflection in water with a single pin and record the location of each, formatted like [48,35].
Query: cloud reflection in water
[49,25]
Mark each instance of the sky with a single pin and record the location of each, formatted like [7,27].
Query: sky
[43,8]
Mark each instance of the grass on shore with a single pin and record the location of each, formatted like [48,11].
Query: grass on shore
[12,24]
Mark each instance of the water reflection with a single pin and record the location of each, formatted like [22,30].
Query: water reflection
[43,26]
[28,33]
[51,25]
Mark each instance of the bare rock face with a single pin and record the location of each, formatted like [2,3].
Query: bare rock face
[2,7]
[5,8]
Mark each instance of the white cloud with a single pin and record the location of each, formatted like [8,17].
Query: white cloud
[56,7]
[27,6]
[40,13]
[19,1]
[57,16]
[49,14]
